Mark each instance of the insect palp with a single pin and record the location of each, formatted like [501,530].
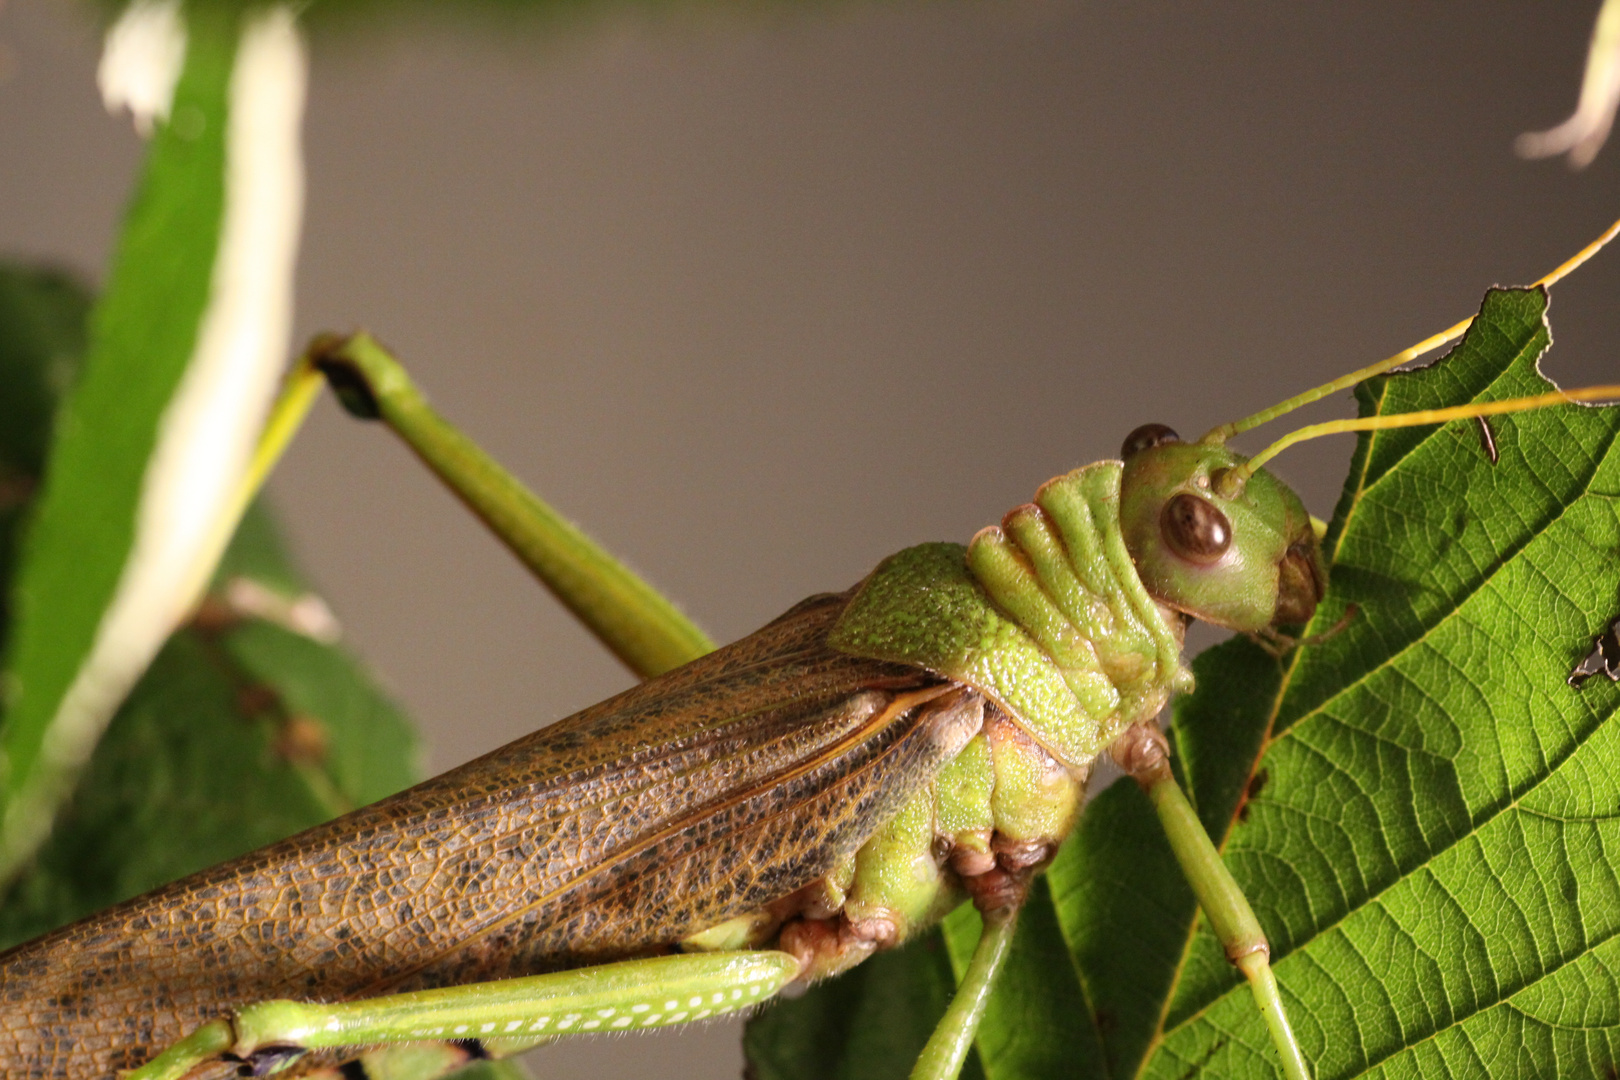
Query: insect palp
[1279,644]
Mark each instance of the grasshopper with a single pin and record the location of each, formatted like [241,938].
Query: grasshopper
[763,814]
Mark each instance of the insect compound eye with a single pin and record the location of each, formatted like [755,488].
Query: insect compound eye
[1195,529]
[1147,437]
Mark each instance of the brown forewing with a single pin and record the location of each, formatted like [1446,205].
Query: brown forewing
[701,795]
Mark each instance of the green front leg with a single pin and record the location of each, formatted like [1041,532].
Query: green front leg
[1144,755]
[636,622]
[504,1016]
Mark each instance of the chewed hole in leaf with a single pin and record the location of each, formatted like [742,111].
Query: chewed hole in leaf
[1604,659]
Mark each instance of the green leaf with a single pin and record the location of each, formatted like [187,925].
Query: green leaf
[1421,808]
[1429,852]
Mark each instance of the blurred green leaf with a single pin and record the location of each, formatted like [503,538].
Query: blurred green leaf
[241,733]
[141,336]
[42,316]
[1421,809]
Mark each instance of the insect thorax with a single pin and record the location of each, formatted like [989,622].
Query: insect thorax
[1047,624]
[1045,614]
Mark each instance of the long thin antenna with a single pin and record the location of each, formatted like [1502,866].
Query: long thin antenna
[1235,478]
[1218,436]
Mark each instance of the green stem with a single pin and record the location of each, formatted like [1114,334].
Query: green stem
[630,617]
[298,392]
[948,1046]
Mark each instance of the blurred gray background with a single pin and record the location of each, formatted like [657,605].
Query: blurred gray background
[761,294]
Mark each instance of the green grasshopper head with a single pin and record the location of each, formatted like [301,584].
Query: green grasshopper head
[1219,538]
[1243,556]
